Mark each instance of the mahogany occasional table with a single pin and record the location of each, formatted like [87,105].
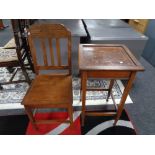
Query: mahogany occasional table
[110,61]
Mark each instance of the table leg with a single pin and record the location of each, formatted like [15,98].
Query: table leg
[84,87]
[124,96]
[110,89]
[81,89]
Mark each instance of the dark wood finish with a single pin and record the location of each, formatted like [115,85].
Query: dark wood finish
[21,53]
[21,26]
[54,90]
[20,39]
[111,62]
[14,57]
[109,74]
[107,57]
[100,113]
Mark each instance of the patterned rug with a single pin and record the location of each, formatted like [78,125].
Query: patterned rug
[12,95]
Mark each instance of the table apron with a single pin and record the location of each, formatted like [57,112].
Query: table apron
[108,74]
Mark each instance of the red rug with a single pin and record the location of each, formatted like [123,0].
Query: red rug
[57,128]
[94,125]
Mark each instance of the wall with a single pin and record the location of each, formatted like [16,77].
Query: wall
[149,50]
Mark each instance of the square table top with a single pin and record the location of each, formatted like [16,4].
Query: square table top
[107,57]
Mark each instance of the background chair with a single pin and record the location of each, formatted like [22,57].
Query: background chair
[15,56]
[50,90]
[19,27]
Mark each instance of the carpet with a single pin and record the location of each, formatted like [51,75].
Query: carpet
[13,124]
[20,125]
[56,128]
[94,125]
[12,95]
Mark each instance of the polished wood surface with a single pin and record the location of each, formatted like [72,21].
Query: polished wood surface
[49,90]
[107,57]
[107,61]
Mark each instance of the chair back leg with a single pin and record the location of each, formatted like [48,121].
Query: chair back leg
[25,74]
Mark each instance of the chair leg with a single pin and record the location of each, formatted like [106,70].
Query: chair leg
[110,89]
[25,74]
[10,69]
[70,111]
[30,63]
[30,115]
[28,56]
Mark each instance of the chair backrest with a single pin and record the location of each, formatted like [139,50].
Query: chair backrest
[46,34]
[17,33]
[18,40]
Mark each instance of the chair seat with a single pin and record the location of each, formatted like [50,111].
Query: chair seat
[7,55]
[49,91]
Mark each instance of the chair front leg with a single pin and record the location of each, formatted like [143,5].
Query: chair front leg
[30,115]
[70,111]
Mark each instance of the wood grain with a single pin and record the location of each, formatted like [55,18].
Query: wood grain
[108,61]
[49,91]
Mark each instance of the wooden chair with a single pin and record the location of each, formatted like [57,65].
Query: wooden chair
[14,57]
[20,35]
[49,90]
